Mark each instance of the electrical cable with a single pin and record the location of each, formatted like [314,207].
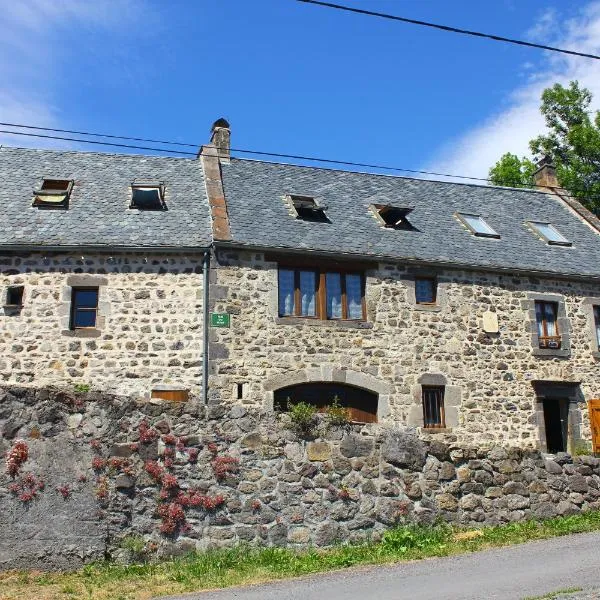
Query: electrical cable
[496,38]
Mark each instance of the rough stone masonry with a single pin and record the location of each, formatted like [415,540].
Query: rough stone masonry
[102,470]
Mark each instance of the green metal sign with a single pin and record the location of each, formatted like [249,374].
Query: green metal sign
[220,319]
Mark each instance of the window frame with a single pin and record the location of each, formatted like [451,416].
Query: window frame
[321,291]
[401,224]
[491,234]
[150,185]
[596,324]
[434,282]
[533,225]
[315,210]
[9,291]
[545,340]
[440,409]
[47,191]
[73,309]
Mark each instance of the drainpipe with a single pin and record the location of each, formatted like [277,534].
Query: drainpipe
[205,273]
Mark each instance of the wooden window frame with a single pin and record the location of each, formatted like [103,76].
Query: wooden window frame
[545,339]
[74,308]
[434,389]
[435,290]
[321,291]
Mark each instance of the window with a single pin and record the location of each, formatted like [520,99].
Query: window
[477,225]
[84,308]
[597,325]
[433,407]
[360,404]
[148,196]
[307,209]
[14,295]
[321,294]
[425,290]
[393,217]
[54,193]
[546,317]
[549,233]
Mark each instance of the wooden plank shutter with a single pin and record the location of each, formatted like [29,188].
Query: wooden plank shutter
[594,407]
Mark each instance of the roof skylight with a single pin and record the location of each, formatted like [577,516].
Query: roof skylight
[477,225]
[549,233]
[54,193]
[148,196]
[307,209]
[393,217]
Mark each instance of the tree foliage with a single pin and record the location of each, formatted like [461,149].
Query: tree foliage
[572,142]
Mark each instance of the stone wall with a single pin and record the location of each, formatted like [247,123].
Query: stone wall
[488,376]
[179,477]
[149,326]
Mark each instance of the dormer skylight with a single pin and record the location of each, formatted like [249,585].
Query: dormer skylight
[477,225]
[549,233]
[53,193]
[307,209]
[393,217]
[148,196]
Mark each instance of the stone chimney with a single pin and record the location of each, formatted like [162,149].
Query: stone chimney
[545,175]
[221,138]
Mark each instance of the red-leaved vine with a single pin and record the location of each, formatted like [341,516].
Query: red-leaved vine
[16,457]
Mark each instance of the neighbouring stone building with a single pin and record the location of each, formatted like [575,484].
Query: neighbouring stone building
[101,277]
[468,312]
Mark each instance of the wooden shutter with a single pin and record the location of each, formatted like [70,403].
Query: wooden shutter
[594,406]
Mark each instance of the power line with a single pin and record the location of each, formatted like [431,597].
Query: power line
[489,36]
[239,150]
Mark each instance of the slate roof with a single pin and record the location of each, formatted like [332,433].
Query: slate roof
[98,213]
[259,217]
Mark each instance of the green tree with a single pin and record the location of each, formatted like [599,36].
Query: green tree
[513,171]
[572,141]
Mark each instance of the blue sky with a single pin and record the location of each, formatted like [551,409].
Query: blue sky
[295,78]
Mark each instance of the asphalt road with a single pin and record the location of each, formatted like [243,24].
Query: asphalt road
[511,573]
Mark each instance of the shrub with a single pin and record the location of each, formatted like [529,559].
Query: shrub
[303,416]
[336,413]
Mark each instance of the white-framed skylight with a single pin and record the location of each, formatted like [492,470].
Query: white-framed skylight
[477,225]
[549,233]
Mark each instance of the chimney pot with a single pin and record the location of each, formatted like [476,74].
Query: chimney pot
[545,175]
[221,138]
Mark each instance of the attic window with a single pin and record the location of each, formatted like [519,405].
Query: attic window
[393,217]
[549,234]
[54,193]
[148,196]
[307,209]
[477,225]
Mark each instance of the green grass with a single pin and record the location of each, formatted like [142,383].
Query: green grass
[245,564]
[551,595]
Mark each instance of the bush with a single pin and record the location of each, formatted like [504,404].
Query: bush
[337,414]
[303,416]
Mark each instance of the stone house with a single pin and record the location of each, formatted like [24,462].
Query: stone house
[468,312]
[102,271]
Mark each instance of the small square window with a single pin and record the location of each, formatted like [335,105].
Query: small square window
[54,193]
[477,225]
[549,233]
[14,296]
[307,209]
[84,308]
[425,290]
[433,407]
[393,217]
[148,196]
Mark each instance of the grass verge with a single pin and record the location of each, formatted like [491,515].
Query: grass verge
[244,565]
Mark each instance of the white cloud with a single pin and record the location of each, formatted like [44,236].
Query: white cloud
[31,49]
[511,129]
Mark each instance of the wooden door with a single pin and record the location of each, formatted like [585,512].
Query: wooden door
[594,406]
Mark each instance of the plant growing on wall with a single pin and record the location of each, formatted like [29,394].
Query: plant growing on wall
[303,417]
[16,457]
[336,413]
